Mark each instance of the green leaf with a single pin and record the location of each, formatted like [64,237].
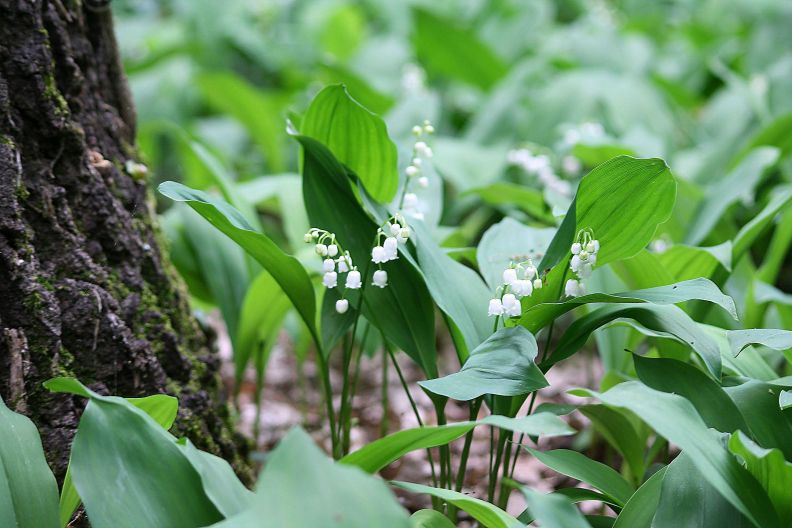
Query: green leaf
[28,491]
[621,434]
[486,514]
[285,269]
[540,315]
[559,247]
[688,262]
[772,471]
[502,365]
[356,137]
[767,423]
[553,510]
[466,164]
[666,321]
[582,468]
[160,486]
[782,195]
[769,337]
[675,418]
[785,399]
[529,201]
[258,328]
[622,201]
[161,407]
[430,519]
[339,495]
[509,241]
[467,307]
[378,454]
[642,270]
[261,112]
[687,499]
[640,509]
[403,310]
[447,50]
[710,400]
[738,183]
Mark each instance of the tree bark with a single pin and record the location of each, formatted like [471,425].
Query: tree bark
[86,289]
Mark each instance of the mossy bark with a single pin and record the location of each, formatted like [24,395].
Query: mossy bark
[86,288]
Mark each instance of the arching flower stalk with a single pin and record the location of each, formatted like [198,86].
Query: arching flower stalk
[393,232]
[584,258]
[421,152]
[335,261]
[519,280]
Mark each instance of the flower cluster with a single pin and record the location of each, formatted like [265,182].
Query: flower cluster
[588,132]
[519,280]
[394,232]
[335,261]
[421,151]
[540,166]
[584,258]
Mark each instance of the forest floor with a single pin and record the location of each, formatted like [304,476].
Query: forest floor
[291,397]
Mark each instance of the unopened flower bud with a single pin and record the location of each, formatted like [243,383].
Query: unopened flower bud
[380,278]
[332,250]
[423,182]
[321,250]
[342,305]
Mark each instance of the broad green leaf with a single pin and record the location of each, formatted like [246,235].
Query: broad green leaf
[688,262]
[219,480]
[502,365]
[688,499]
[749,363]
[662,320]
[339,495]
[258,326]
[640,509]
[528,200]
[596,474]
[767,423]
[285,269]
[553,510]
[675,418]
[643,270]
[785,399]
[356,137]
[28,491]
[510,241]
[447,50]
[621,434]
[710,400]
[776,134]
[161,407]
[261,112]
[622,201]
[540,315]
[488,515]
[769,337]
[558,250]
[160,486]
[738,183]
[467,307]
[403,310]
[378,454]
[770,468]
[781,197]
[467,164]
[430,519]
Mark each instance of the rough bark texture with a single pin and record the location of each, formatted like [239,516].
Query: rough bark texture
[85,289]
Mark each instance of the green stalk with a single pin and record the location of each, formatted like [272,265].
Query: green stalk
[475,405]
[384,399]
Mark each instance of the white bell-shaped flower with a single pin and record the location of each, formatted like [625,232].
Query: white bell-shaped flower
[410,201]
[511,306]
[342,305]
[423,182]
[509,276]
[391,248]
[343,264]
[530,272]
[330,279]
[378,255]
[321,250]
[522,288]
[495,307]
[572,288]
[307,237]
[585,270]
[404,234]
[353,280]
[332,250]
[380,278]
[537,284]
[575,263]
[394,229]
[328,265]
[576,248]
[411,171]
[417,162]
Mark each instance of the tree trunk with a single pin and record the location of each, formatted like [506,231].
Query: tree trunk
[86,289]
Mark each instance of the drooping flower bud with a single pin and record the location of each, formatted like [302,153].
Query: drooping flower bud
[423,182]
[411,171]
[332,250]
[321,250]
[537,284]
[380,278]
[342,305]
[410,201]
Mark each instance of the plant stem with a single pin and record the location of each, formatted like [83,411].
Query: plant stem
[475,405]
[384,399]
